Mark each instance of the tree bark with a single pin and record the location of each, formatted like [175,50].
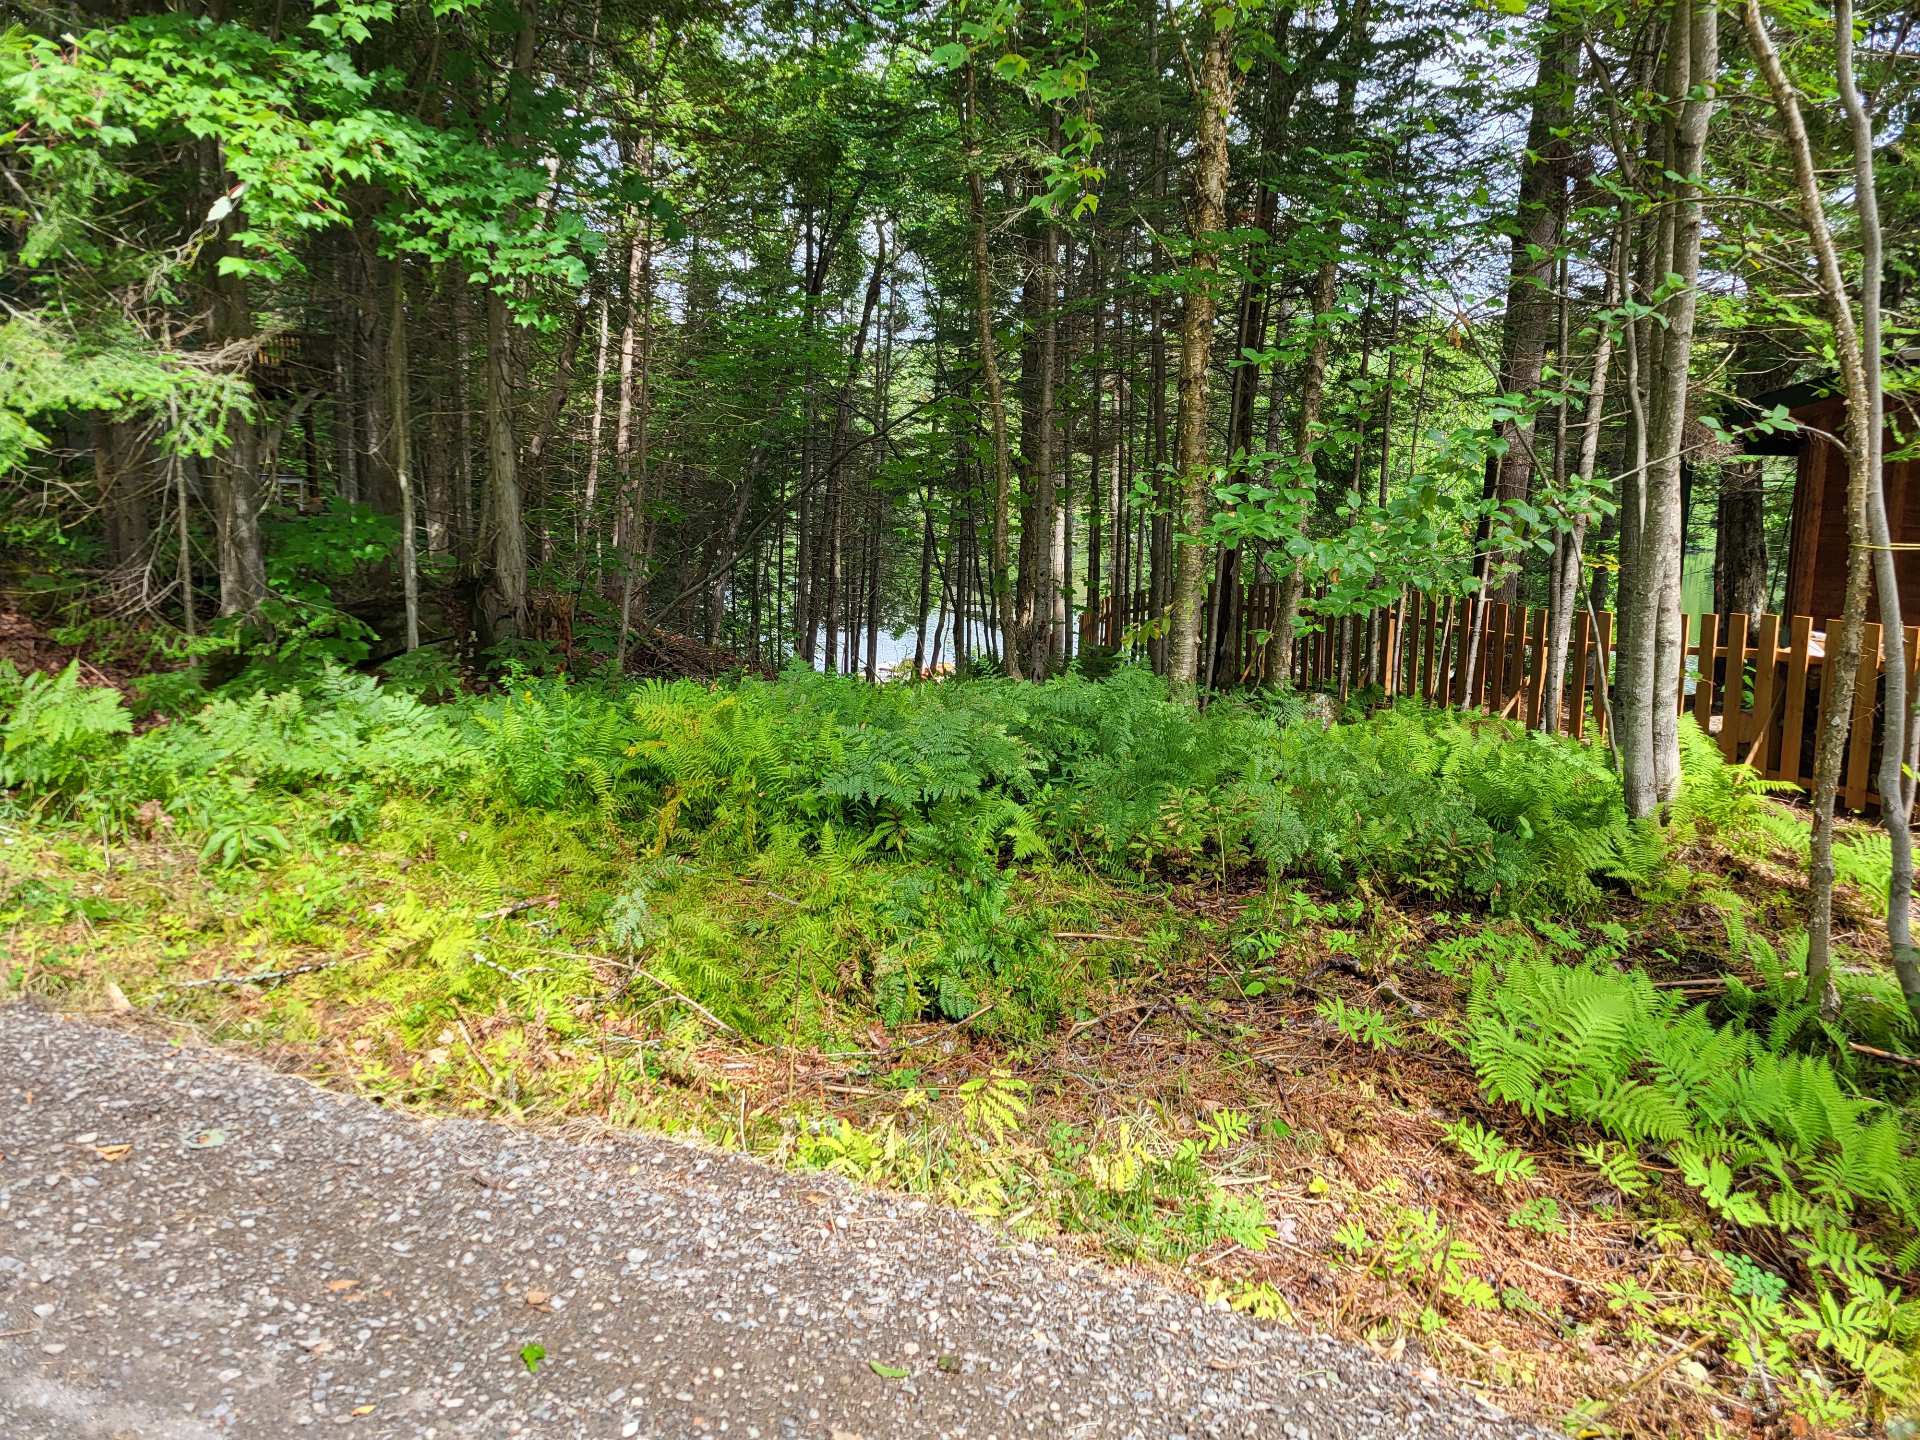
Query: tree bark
[1567,597]
[998,561]
[1650,745]
[1740,541]
[503,593]
[401,454]
[236,491]
[1858,347]
[1214,85]
[1528,317]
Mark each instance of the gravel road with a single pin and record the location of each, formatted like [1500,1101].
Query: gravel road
[192,1245]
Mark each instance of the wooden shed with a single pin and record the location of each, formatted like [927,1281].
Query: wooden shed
[1817,545]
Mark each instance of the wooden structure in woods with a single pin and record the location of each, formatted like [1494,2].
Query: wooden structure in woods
[1754,686]
[1817,548]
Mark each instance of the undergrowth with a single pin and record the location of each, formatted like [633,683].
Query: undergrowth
[661,903]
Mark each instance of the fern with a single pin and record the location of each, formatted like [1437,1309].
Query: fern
[1361,1024]
[1492,1156]
[1609,1050]
[991,1105]
[55,729]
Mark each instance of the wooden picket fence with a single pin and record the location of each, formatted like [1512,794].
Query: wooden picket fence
[1754,685]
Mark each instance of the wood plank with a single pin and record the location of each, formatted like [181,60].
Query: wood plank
[1451,621]
[1493,657]
[1911,641]
[1467,696]
[1913,667]
[1406,624]
[1462,613]
[1767,693]
[1423,646]
[1389,652]
[1601,708]
[1680,690]
[1416,643]
[1494,664]
[1809,505]
[1860,728]
[1574,722]
[1512,623]
[1794,718]
[1820,718]
[1537,684]
[1703,682]
[1486,638]
[1733,688]
[1322,675]
[1516,660]
[1457,648]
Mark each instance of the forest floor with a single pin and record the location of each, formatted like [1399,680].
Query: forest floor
[1215,1070]
[227,1251]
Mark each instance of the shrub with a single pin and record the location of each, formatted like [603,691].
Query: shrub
[343,729]
[55,731]
[968,775]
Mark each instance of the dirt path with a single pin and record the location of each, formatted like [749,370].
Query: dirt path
[192,1245]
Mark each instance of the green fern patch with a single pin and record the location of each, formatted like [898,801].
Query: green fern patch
[1767,1140]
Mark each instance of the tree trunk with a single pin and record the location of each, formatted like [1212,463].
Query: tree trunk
[120,469]
[1567,598]
[1740,542]
[584,521]
[400,451]
[1039,580]
[633,426]
[236,491]
[990,369]
[1650,748]
[503,597]
[1206,217]
[503,594]
[1528,317]
[1858,347]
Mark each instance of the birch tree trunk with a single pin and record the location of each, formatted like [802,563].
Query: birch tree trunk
[1858,348]
[1650,740]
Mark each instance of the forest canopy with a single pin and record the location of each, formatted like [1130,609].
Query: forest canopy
[806,329]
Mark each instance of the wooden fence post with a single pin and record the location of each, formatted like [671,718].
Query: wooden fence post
[1733,688]
[1537,686]
[1703,686]
[1793,727]
[1860,731]
[1573,717]
[1604,673]
[1766,695]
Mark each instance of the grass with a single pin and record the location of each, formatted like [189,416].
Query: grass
[1210,1029]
